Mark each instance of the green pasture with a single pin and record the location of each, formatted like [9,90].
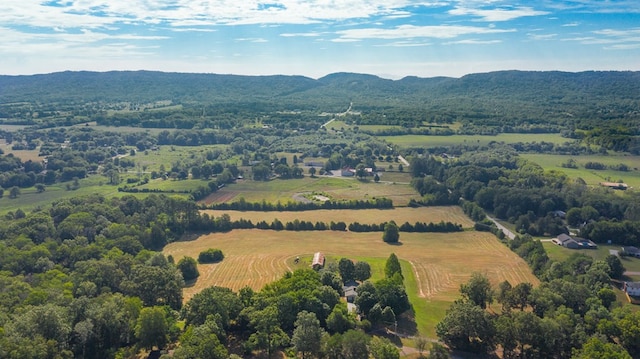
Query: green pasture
[560,253]
[11,128]
[337,188]
[436,141]
[169,154]
[176,185]
[591,177]
[30,199]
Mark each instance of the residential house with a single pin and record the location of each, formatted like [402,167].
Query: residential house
[349,289]
[632,288]
[630,251]
[574,242]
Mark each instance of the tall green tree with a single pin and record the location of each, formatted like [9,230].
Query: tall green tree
[382,348]
[152,328]
[477,290]
[392,266]
[347,269]
[391,232]
[268,334]
[307,335]
[189,268]
[362,271]
[355,345]
[467,327]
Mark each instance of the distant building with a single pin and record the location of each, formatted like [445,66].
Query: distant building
[574,243]
[630,251]
[632,288]
[347,172]
[350,292]
[318,261]
[615,185]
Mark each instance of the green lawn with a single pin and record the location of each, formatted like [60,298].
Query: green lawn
[592,177]
[559,253]
[434,141]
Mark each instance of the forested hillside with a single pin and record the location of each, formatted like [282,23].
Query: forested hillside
[496,94]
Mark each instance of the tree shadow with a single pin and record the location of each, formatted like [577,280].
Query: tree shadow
[190,283]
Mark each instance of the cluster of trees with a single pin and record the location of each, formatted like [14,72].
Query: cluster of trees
[418,227]
[211,255]
[242,205]
[523,193]
[80,282]
[573,313]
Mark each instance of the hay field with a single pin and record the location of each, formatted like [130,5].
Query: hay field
[337,188]
[400,215]
[440,261]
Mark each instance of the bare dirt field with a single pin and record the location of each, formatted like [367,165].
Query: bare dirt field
[440,261]
[400,215]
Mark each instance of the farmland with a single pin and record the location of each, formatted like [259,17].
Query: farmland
[590,176]
[436,141]
[256,257]
[369,216]
[337,188]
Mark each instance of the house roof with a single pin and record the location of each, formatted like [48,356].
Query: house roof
[318,259]
[564,238]
[630,249]
[632,285]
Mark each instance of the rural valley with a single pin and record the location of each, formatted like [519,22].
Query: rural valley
[170,215]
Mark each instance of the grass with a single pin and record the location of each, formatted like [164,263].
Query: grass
[167,155]
[400,215]
[437,262]
[337,188]
[591,177]
[435,141]
[560,253]
[30,199]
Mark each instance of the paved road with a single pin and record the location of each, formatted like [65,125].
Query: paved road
[506,231]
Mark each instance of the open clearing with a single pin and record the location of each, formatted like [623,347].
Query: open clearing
[452,214]
[435,141]
[591,177]
[439,262]
[560,253]
[336,188]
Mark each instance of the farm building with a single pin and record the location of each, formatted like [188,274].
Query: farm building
[632,288]
[573,243]
[614,185]
[347,172]
[630,251]
[318,261]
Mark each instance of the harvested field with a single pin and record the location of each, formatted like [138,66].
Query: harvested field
[220,197]
[336,188]
[440,261]
[452,214]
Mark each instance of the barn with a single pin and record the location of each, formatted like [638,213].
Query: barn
[318,261]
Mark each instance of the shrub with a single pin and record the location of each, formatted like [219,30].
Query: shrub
[211,255]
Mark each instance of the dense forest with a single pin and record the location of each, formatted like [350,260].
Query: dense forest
[600,107]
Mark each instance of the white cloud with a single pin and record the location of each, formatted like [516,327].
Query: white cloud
[542,36]
[412,31]
[497,14]
[302,34]
[473,42]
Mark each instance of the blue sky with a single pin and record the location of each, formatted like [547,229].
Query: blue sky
[389,38]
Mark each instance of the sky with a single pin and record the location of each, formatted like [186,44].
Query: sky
[388,38]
